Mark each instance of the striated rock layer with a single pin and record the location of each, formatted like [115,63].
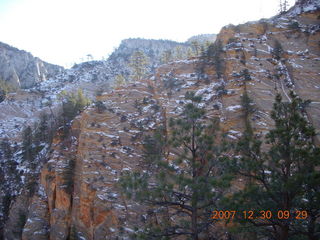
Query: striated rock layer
[105,144]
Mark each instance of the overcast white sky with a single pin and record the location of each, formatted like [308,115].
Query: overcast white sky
[64,31]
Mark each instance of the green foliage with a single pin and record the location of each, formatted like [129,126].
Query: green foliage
[245,73]
[27,147]
[246,103]
[31,183]
[8,165]
[166,56]
[213,55]
[178,53]
[282,177]
[200,68]
[43,131]
[277,51]
[138,63]
[232,40]
[5,88]
[294,25]
[6,148]
[100,106]
[196,47]
[72,105]
[68,175]
[74,235]
[154,146]
[120,80]
[6,201]
[19,225]
[189,185]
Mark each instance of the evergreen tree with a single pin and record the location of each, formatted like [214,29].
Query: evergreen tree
[281,179]
[81,101]
[138,62]
[190,53]
[7,163]
[246,75]
[283,6]
[280,6]
[42,130]
[277,51]
[178,53]
[72,105]
[196,47]
[184,189]
[246,103]
[214,57]
[100,106]
[166,56]
[120,80]
[27,146]
[6,148]
[5,88]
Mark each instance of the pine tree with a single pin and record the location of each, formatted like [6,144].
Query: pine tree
[282,177]
[120,80]
[285,5]
[72,105]
[138,63]
[280,6]
[9,165]
[196,47]
[178,53]
[190,53]
[42,130]
[81,101]
[214,57]
[277,51]
[100,106]
[166,57]
[27,145]
[187,187]
[6,148]
[5,88]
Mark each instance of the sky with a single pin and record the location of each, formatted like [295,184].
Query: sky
[63,32]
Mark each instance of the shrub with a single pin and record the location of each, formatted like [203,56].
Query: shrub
[294,26]
[68,175]
[277,50]
[100,106]
[5,88]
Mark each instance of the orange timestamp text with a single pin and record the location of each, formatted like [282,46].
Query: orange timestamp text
[262,214]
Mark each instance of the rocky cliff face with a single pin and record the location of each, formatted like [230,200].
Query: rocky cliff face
[153,49]
[105,144]
[21,69]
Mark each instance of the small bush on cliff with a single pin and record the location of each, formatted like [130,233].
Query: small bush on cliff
[5,88]
[277,51]
[19,225]
[100,106]
[68,175]
[138,63]
[72,105]
[294,26]
[213,54]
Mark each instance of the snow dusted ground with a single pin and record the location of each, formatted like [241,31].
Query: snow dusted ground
[23,108]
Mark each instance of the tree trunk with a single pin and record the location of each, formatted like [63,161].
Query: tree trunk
[194,223]
[283,233]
